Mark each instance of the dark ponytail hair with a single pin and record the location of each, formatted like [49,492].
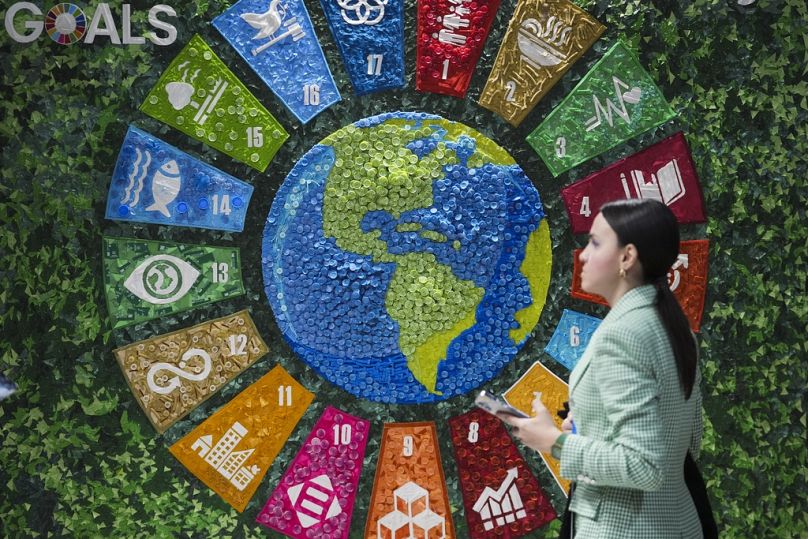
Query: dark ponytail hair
[651,227]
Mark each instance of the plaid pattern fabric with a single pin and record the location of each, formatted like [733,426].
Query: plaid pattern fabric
[634,429]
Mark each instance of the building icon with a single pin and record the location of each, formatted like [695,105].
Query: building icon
[501,506]
[223,458]
[411,516]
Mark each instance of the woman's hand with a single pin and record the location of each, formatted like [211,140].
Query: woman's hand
[538,432]
[566,426]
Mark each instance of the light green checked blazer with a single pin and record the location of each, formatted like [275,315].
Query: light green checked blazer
[634,428]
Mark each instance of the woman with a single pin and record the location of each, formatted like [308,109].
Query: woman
[634,395]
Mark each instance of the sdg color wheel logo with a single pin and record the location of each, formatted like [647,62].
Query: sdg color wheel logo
[65,24]
[406,258]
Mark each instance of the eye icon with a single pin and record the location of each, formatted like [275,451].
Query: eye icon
[161,279]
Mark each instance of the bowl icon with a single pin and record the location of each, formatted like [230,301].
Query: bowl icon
[539,47]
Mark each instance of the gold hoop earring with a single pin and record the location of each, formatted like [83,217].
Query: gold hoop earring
[622,273]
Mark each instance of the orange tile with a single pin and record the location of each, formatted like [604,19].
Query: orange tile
[232,450]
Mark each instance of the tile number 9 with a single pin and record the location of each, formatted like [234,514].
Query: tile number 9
[408,446]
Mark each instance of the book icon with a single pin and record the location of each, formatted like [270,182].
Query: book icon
[665,185]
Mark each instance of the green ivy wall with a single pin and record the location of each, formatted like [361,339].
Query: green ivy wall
[77,456]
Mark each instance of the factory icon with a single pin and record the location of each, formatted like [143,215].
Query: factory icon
[224,459]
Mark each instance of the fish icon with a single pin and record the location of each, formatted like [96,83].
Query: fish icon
[166,184]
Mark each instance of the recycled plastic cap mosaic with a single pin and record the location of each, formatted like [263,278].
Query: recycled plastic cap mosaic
[406,258]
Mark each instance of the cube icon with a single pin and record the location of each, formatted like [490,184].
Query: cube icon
[411,517]
[429,525]
[411,499]
[395,525]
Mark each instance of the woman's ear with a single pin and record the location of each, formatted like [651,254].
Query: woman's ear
[630,257]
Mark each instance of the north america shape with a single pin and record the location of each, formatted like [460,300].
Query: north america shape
[406,258]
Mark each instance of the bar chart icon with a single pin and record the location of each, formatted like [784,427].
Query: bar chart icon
[501,506]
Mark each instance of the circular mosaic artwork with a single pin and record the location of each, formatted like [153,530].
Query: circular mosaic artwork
[406,258]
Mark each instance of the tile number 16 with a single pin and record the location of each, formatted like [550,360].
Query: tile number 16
[311,94]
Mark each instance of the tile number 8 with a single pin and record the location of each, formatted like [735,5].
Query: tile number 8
[474,432]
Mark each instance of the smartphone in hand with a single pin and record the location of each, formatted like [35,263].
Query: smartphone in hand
[495,404]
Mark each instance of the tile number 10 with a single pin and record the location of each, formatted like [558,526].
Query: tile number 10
[342,434]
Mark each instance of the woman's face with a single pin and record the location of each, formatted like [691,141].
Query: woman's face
[601,259]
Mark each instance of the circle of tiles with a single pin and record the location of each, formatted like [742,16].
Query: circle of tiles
[401,257]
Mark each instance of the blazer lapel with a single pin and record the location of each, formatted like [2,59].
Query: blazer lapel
[579,370]
[635,298]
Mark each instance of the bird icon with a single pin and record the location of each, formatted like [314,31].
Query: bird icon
[268,22]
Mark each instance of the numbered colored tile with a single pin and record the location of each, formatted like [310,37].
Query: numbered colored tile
[233,449]
[554,393]
[201,97]
[451,37]
[145,279]
[502,498]
[316,495]
[571,337]
[370,37]
[155,182]
[172,374]
[614,102]
[687,280]
[542,42]
[278,42]
[409,491]
[663,172]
